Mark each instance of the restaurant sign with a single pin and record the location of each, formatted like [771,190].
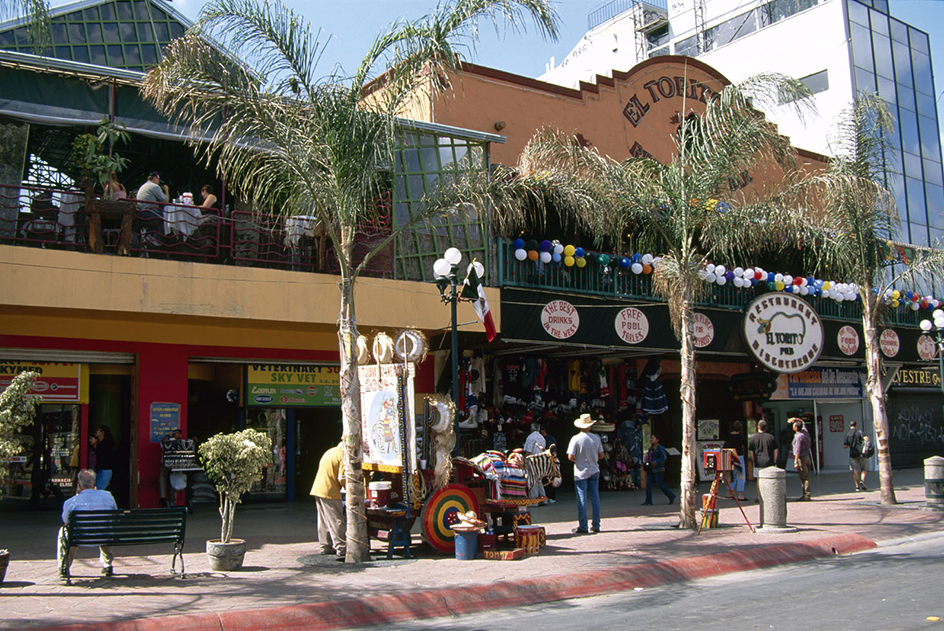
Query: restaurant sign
[293,385]
[820,383]
[783,332]
[57,382]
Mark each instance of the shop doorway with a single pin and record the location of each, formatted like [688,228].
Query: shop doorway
[317,429]
[836,416]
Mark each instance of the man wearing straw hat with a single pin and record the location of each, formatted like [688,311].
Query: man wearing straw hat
[585,451]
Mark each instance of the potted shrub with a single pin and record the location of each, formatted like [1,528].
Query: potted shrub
[17,410]
[94,153]
[232,462]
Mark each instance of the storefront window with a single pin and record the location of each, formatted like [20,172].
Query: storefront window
[272,421]
[48,465]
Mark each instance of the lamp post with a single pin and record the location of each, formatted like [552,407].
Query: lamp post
[446,272]
[936,328]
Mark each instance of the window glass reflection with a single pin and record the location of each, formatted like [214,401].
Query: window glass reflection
[861,46]
[933,173]
[94,33]
[879,22]
[881,49]
[908,124]
[916,208]
[922,72]
[919,41]
[930,141]
[858,13]
[935,196]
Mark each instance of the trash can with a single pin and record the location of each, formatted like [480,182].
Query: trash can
[934,482]
[467,545]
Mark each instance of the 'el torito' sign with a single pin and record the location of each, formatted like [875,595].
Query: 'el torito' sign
[664,88]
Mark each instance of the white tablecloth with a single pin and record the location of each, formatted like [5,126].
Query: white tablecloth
[182,219]
[299,226]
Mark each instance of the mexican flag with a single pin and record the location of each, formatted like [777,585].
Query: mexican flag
[472,290]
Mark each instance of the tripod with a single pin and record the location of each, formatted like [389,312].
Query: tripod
[712,504]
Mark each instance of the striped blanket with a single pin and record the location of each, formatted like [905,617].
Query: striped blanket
[506,475]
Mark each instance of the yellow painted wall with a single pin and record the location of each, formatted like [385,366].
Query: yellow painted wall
[73,294]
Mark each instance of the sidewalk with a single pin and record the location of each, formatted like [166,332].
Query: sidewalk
[285,585]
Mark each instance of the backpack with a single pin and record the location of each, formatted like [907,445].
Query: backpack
[868,449]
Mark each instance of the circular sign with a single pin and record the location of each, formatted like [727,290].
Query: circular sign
[560,319]
[848,340]
[704,330]
[632,325]
[889,343]
[926,348]
[783,332]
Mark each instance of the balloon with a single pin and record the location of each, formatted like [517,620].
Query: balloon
[521,254]
[710,268]
[546,246]
[720,270]
[647,269]
[895,294]
[909,295]
[533,255]
[804,290]
[519,244]
[545,257]
[532,244]
[771,285]
[747,273]
[788,289]
[558,248]
[711,278]
[722,280]
[568,250]
[581,262]
[895,303]
[569,261]
[636,268]
[603,259]
[728,275]
[637,258]
[827,285]
[625,263]
[646,259]
[779,285]
[759,274]
[787,279]
[738,271]
[771,277]
[914,306]
[824,293]
[738,282]
[556,257]
[754,282]
[798,281]
[579,253]
[778,277]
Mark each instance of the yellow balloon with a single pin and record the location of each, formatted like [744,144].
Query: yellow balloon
[569,250]
[895,303]
[581,262]
[827,285]
[779,285]
[569,260]
[896,294]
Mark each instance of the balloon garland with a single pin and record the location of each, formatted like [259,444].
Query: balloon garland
[553,252]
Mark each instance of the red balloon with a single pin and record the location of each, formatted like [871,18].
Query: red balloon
[798,281]
[759,275]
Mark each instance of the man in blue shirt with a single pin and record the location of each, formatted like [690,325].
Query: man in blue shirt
[86,498]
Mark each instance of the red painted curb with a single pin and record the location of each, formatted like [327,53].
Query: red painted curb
[358,612]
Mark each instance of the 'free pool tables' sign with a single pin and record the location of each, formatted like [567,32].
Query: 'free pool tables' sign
[293,385]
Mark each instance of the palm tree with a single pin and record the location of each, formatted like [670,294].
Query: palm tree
[685,210]
[858,224]
[297,142]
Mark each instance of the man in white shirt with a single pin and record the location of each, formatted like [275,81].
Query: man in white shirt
[151,216]
[533,445]
[86,498]
[585,451]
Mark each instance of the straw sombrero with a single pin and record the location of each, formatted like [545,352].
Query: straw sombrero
[584,421]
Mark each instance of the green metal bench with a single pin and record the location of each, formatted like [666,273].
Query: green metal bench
[141,526]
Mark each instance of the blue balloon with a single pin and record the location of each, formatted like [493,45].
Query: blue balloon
[729,275]
[788,289]
[770,277]
[818,284]
[819,292]
[625,263]
[556,257]
[546,246]
[753,282]
[519,244]
[637,258]
[909,295]
[579,253]
[811,282]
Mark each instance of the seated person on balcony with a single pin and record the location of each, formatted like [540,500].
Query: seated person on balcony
[86,498]
[115,189]
[209,199]
[152,215]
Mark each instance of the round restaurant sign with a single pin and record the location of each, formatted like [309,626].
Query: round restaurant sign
[560,319]
[889,343]
[926,349]
[848,340]
[704,330]
[783,332]
[632,325]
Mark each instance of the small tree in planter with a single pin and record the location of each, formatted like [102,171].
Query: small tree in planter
[17,410]
[233,462]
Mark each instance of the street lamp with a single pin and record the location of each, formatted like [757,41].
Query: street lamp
[445,270]
[938,333]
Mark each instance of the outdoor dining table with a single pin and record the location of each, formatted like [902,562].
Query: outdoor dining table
[183,219]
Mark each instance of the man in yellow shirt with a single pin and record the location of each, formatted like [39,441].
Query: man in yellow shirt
[327,493]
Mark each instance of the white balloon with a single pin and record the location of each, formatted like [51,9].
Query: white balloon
[915,306]
[545,257]
[721,280]
[521,254]
[787,279]
[636,268]
[779,277]
[711,277]
[738,271]
[825,293]
[646,259]
[558,249]
[656,260]
[720,270]
[804,290]
[748,273]
[738,282]
[850,295]
[710,268]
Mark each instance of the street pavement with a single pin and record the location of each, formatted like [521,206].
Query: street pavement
[285,584]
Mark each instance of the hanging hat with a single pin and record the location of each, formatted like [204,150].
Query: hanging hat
[584,421]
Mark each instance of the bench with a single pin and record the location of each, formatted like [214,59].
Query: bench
[127,528]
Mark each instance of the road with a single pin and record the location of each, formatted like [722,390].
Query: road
[893,588]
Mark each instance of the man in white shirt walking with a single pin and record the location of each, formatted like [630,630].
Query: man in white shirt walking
[585,451]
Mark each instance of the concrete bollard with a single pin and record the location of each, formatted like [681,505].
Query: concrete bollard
[934,483]
[772,491]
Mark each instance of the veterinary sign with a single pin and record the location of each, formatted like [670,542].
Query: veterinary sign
[783,332]
[292,385]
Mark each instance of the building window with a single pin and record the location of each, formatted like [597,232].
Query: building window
[773,12]
[687,46]
[658,37]
[816,82]
[730,30]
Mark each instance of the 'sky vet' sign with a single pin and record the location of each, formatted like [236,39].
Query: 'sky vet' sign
[783,332]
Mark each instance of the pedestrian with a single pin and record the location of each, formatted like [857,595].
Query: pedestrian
[104,457]
[533,445]
[802,456]
[762,451]
[327,493]
[853,441]
[585,451]
[737,442]
[655,459]
[550,443]
[86,498]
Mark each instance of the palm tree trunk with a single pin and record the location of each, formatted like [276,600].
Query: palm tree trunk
[358,546]
[876,394]
[687,392]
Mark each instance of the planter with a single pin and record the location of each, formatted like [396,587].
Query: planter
[225,557]
[4,562]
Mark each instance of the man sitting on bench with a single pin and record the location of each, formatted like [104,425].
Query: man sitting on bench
[86,498]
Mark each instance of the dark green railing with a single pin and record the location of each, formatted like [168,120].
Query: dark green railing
[622,284]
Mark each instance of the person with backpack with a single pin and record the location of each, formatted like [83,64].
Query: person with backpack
[857,445]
